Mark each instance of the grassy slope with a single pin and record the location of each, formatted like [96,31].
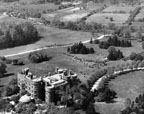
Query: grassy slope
[51,36]
[128,85]
[58,59]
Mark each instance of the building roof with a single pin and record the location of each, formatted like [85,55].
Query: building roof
[25,99]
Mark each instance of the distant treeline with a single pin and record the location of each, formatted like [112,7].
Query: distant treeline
[8,0]
[77,26]
[18,34]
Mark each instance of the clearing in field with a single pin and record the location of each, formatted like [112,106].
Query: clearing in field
[106,18]
[74,17]
[118,9]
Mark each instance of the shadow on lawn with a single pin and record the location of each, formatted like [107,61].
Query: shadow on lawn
[8,74]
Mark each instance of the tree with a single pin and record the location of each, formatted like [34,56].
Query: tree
[127,102]
[91,41]
[3,104]
[91,50]
[111,49]
[2,68]
[37,57]
[133,56]
[90,109]
[114,54]
[96,41]
[143,44]
[138,35]
[12,87]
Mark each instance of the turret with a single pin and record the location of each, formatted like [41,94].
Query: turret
[56,70]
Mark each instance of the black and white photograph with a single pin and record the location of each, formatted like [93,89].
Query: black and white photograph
[71,56]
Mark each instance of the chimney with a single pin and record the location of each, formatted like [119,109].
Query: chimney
[56,70]
[49,74]
[69,73]
[30,75]
[26,71]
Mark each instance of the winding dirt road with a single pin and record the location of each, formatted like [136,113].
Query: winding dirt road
[38,49]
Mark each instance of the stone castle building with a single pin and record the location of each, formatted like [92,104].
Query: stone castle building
[44,87]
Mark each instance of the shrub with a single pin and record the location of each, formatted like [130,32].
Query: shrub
[114,54]
[96,41]
[80,48]
[37,57]
[12,88]
[17,62]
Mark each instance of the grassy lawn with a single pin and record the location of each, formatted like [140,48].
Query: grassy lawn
[74,17]
[115,8]
[58,59]
[126,86]
[109,108]
[129,85]
[50,36]
[136,47]
[105,18]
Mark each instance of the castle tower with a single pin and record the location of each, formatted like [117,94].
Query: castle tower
[48,94]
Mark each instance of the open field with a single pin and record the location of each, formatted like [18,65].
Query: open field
[94,6]
[105,18]
[72,13]
[7,19]
[109,108]
[45,7]
[115,8]
[140,15]
[136,47]
[68,14]
[74,17]
[128,85]
[50,36]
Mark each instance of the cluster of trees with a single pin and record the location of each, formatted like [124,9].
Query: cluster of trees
[114,54]
[77,26]
[80,48]
[105,95]
[76,96]
[94,77]
[9,0]
[133,14]
[136,57]
[11,61]
[18,34]
[114,41]
[12,87]
[134,107]
[2,69]
[23,108]
[25,12]
[94,42]
[38,56]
